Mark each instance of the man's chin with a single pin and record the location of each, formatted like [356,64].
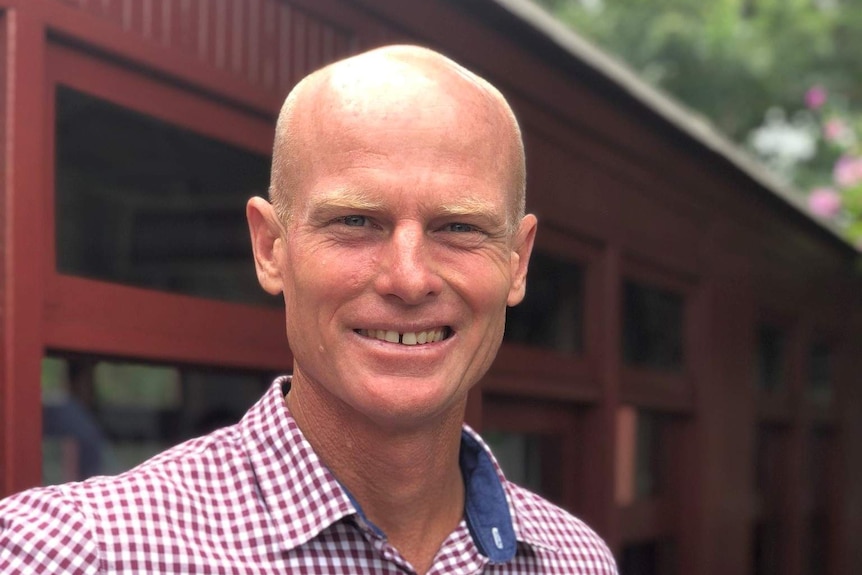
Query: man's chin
[408,402]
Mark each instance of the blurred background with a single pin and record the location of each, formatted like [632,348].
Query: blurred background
[779,78]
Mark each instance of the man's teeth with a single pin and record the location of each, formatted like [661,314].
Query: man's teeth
[408,338]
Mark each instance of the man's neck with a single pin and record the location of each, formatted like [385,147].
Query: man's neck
[407,481]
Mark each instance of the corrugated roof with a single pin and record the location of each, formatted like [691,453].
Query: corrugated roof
[678,116]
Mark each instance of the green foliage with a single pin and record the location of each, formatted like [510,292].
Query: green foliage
[729,59]
[732,60]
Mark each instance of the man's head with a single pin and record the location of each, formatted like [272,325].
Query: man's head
[398,235]
[396,80]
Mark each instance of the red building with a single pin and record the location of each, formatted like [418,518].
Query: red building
[683,373]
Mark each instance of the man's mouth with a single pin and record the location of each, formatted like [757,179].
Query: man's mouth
[407,338]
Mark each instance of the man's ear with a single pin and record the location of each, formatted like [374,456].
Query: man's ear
[520,258]
[266,242]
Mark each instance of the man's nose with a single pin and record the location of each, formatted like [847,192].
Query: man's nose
[407,269]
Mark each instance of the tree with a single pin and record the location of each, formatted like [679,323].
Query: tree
[745,65]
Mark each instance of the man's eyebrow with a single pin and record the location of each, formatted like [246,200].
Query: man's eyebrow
[341,199]
[489,214]
[470,207]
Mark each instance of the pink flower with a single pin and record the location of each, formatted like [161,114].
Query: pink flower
[835,130]
[815,97]
[824,202]
[847,171]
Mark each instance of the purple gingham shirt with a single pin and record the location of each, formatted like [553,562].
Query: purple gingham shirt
[255,499]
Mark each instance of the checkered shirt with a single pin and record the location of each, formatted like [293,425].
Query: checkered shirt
[255,499]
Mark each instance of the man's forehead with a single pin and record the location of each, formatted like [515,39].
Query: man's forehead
[362,105]
[400,81]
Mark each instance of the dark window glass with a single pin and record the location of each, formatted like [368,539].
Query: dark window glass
[819,535]
[146,203]
[648,558]
[769,459]
[552,313]
[820,372]
[104,417]
[821,471]
[652,327]
[767,548]
[648,460]
[519,455]
[529,459]
[770,358]
[771,472]
[820,463]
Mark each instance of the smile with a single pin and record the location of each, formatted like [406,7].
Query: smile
[407,338]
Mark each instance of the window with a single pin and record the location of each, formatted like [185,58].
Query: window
[552,313]
[767,548]
[820,372]
[640,453]
[771,472]
[102,417]
[821,470]
[653,455]
[150,204]
[652,327]
[537,444]
[520,457]
[648,558]
[148,191]
[770,358]
[770,458]
[132,154]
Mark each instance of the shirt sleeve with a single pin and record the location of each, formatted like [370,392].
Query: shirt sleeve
[42,532]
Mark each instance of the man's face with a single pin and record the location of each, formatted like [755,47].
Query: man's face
[398,263]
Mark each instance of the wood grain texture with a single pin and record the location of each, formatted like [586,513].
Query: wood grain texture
[267,43]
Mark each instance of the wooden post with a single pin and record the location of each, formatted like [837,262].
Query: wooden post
[24,246]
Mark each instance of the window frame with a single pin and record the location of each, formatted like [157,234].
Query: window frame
[95,316]
[657,389]
[775,405]
[557,375]
[541,417]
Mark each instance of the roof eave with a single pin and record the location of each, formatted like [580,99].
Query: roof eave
[687,123]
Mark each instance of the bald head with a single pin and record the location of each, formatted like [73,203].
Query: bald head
[405,88]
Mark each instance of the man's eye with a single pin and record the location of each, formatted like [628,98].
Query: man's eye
[354,221]
[461,228]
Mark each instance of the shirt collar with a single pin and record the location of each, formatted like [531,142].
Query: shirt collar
[486,508]
[486,482]
[300,494]
[303,497]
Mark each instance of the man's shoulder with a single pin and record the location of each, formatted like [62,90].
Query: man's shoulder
[41,531]
[85,523]
[194,466]
[191,470]
[564,536]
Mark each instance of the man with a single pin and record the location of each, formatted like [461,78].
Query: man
[396,232]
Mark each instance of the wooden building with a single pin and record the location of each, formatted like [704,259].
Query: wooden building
[683,374]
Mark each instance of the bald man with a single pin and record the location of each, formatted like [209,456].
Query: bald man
[396,232]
